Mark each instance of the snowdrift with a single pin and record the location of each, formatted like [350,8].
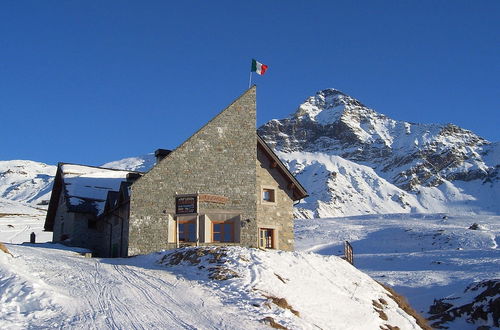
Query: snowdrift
[293,290]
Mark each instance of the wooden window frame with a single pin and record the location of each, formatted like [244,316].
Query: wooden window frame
[263,244]
[185,222]
[272,195]
[222,232]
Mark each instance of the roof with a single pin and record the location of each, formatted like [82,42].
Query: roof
[299,191]
[85,187]
[85,183]
[117,198]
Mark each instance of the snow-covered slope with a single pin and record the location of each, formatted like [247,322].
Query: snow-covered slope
[140,164]
[393,165]
[339,187]
[204,288]
[25,188]
[26,181]
[9,207]
[426,258]
[26,184]
[18,220]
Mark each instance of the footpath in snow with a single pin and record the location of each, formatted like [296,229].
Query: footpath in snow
[51,286]
[425,257]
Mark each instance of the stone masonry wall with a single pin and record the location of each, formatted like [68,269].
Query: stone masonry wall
[218,159]
[277,215]
[61,216]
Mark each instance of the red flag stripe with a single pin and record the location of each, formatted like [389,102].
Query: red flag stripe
[263,69]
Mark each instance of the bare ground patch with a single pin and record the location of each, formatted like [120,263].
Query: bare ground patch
[215,255]
[5,250]
[404,305]
[282,303]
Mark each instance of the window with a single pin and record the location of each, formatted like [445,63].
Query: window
[222,232]
[266,238]
[268,195]
[187,231]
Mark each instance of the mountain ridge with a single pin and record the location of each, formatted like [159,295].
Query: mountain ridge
[352,160]
[412,157]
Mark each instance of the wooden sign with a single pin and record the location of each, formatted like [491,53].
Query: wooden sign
[207,198]
[185,205]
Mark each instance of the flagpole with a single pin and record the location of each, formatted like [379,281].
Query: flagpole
[250,81]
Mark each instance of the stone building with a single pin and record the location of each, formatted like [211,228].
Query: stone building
[222,186]
[81,195]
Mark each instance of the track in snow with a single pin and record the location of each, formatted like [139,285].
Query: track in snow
[121,294]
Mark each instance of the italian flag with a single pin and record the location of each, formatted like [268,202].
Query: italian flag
[258,67]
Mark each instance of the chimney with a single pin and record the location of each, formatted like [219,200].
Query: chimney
[132,176]
[161,153]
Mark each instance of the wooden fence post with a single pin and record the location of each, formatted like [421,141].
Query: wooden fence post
[348,253]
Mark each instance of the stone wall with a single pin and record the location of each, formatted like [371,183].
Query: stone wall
[114,229]
[61,216]
[75,227]
[219,159]
[279,214]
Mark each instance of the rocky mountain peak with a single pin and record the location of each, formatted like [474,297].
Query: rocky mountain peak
[409,156]
[326,106]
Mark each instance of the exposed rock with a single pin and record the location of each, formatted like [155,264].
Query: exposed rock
[193,256]
[409,154]
[479,304]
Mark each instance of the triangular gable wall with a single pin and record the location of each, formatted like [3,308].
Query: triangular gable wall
[218,159]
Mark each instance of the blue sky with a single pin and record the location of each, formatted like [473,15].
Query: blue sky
[95,81]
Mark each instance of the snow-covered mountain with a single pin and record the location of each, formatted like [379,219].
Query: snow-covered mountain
[140,164]
[26,181]
[353,160]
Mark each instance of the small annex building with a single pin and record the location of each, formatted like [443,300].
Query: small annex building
[222,186]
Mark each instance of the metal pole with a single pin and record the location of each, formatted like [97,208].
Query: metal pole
[250,81]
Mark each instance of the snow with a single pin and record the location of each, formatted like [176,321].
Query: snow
[339,187]
[493,154]
[86,182]
[313,285]
[26,181]
[390,166]
[424,257]
[330,116]
[420,241]
[71,291]
[140,164]
[18,220]
[75,292]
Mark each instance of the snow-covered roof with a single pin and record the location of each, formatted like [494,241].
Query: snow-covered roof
[87,187]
